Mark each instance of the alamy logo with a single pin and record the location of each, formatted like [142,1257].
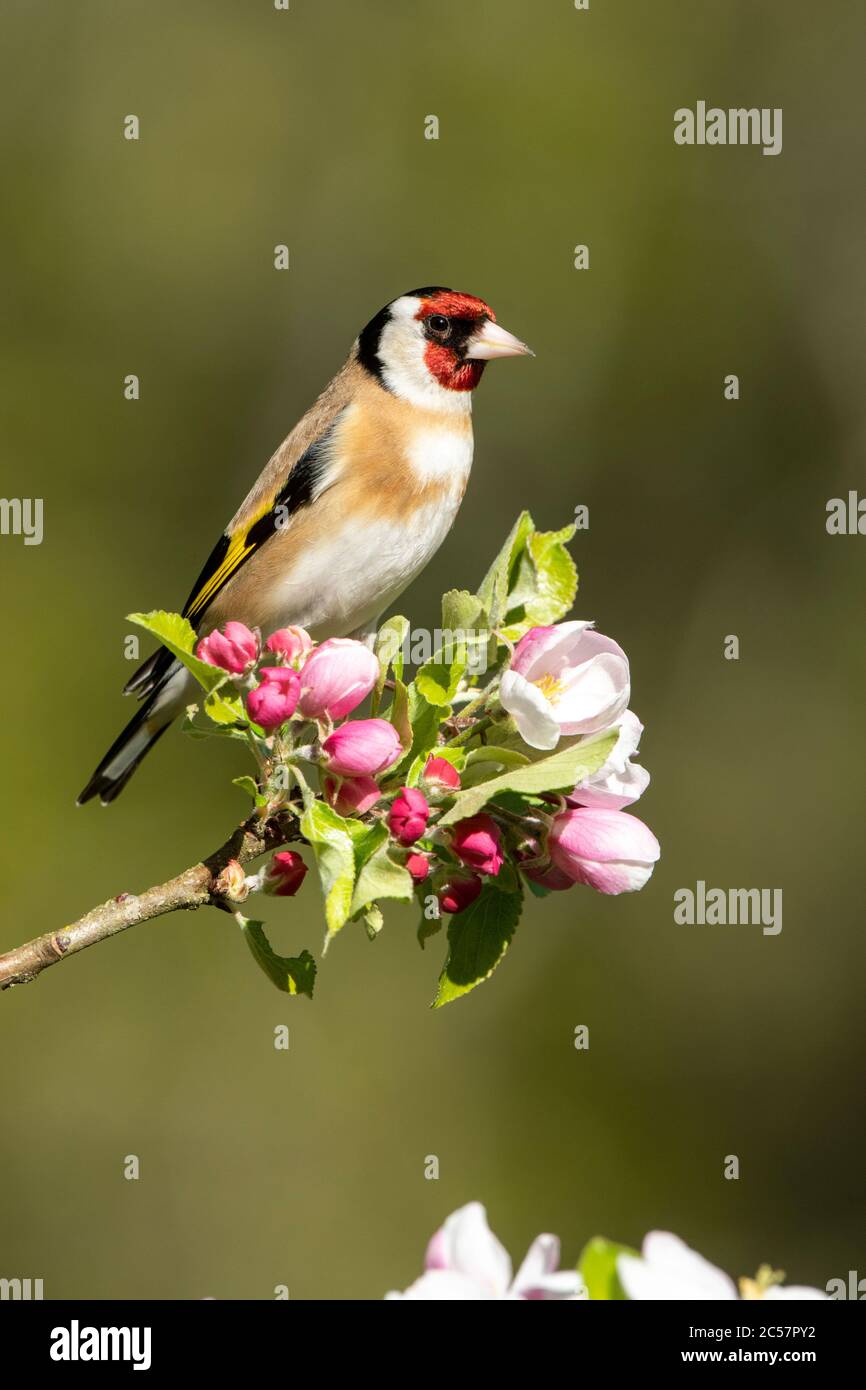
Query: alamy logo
[739,125]
[720,907]
[21,1289]
[854,1287]
[76,1343]
[22,516]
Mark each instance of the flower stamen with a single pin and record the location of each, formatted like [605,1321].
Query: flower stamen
[765,1278]
[550,687]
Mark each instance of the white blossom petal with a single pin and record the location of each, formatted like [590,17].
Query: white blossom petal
[595,695]
[470,1248]
[615,790]
[668,1270]
[532,713]
[541,1258]
[443,1285]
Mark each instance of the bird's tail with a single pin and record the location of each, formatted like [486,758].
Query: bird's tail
[137,739]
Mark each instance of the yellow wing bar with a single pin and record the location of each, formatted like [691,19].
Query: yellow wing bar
[237,552]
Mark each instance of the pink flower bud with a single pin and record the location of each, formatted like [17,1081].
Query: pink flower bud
[350,796]
[550,877]
[286,873]
[440,773]
[477,842]
[609,850]
[336,678]
[234,649]
[418,866]
[291,643]
[407,819]
[363,748]
[459,892]
[274,699]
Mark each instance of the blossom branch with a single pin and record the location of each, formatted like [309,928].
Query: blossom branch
[196,887]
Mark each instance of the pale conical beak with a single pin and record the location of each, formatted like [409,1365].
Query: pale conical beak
[493,341]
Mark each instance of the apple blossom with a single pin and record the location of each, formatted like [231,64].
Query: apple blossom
[364,747]
[234,648]
[350,796]
[477,842]
[336,677]
[285,874]
[291,643]
[549,877]
[611,851]
[438,772]
[275,698]
[418,866]
[459,892]
[567,679]
[668,1270]
[407,819]
[619,782]
[465,1260]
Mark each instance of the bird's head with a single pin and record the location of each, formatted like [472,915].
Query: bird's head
[430,346]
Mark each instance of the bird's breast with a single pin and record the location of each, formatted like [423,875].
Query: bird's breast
[395,481]
[440,453]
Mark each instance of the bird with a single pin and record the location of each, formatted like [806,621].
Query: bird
[348,509]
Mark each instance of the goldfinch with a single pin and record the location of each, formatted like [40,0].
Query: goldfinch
[348,510]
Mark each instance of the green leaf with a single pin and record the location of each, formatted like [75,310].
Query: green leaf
[489,760]
[225,708]
[439,678]
[248,785]
[497,582]
[366,839]
[380,878]
[398,714]
[331,841]
[546,584]
[532,581]
[461,611]
[478,938]
[597,1268]
[373,920]
[207,729]
[427,927]
[493,753]
[556,574]
[179,636]
[560,771]
[291,974]
[424,720]
[389,650]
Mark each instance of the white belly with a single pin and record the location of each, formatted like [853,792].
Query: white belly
[349,581]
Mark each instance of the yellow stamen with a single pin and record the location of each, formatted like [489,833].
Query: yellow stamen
[550,687]
[765,1278]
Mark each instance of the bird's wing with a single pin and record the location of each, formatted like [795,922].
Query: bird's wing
[304,481]
[295,475]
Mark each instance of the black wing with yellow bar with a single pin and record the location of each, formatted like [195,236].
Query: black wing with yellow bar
[231,552]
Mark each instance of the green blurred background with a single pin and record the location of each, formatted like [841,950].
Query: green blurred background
[707,517]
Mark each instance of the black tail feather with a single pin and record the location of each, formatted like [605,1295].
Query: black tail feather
[149,675]
[107,785]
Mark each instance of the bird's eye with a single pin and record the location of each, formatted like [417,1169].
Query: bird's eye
[438,323]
